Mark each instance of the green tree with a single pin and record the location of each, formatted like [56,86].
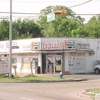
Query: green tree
[4,29]
[25,29]
[20,29]
[62,26]
[92,28]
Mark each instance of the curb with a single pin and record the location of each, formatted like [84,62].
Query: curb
[83,95]
[77,80]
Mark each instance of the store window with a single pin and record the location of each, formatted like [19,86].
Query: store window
[34,62]
[27,62]
[14,61]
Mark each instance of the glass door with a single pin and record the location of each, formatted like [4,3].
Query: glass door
[58,63]
[50,64]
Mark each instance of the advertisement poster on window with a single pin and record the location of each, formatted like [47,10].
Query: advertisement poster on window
[58,63]
[75,56]
[34,63]
[4,65]
[50,68]
[14,62]
[70,60]
[25,63]
[58,68]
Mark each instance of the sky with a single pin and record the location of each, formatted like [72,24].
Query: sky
[35,6]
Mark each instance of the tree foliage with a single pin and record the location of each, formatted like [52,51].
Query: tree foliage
[26,29]
[20,29]
[92,28]
[4,29]
[62,26]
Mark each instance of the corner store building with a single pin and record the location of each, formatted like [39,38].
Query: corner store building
[74,55]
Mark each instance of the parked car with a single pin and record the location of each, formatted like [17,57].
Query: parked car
[97,69]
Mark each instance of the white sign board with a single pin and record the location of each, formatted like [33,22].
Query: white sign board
[83,46]
[52,46]
[50,17]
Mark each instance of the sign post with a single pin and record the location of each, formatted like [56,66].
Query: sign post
[10,41]
[50,17]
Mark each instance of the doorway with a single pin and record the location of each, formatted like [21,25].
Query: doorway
[53,63]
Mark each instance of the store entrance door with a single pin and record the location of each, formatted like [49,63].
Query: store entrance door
[54,63]
[58,63]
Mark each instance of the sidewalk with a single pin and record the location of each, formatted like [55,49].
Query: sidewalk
[70,77]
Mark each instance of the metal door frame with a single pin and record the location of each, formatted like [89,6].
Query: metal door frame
[53,57]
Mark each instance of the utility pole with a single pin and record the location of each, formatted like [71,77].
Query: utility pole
[10,41]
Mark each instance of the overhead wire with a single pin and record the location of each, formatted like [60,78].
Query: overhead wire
[80,4]
[46,1]
[37,14]
[22,13]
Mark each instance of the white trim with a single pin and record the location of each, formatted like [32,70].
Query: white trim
[3,52]
[51,51]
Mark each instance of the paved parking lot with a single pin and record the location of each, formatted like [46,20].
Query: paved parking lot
[50,91]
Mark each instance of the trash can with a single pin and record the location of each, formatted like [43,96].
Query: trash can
[38,69]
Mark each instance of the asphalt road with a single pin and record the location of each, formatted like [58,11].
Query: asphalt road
[46,91]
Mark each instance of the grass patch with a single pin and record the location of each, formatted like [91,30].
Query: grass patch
[93,89]
[30,78]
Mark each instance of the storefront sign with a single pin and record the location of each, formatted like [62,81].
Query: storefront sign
[69,45]
[77,54]
[3,47]
[36,46]
[13,44]
[26,47]
[52,46]
[83,46]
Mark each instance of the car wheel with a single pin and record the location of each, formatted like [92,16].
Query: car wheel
[97,71]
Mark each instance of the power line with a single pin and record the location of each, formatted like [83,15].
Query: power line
[46,1]
[21,13]
[80,4]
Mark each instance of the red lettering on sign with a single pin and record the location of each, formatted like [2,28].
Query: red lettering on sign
[73,54]
[49,45]
[77,54]
[52,46]
[44,46]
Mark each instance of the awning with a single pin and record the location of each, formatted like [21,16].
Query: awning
[3,53]
[21,52]
[48,51]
